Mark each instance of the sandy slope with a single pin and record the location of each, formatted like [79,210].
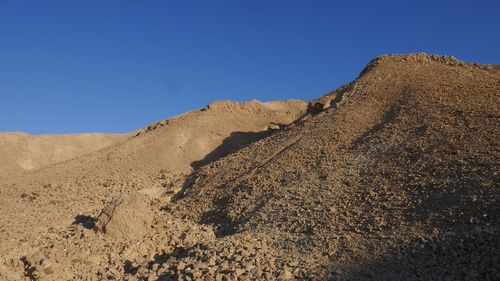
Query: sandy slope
[22,152]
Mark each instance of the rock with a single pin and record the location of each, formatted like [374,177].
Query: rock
[49,270]
[126,217]
[285,275]
[165,199]
[46,266]
[181,266]
[273,126]
[239,271]
[197,275]
[244,277]
[316,107]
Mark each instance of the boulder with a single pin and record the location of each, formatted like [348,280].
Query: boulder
[125,218]
[316,107]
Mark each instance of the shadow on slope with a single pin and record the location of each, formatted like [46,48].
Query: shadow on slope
[461,233]
[455,258]
[451,196]
[233,143]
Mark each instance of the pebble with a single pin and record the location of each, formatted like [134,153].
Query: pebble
[181,266]
[285,275]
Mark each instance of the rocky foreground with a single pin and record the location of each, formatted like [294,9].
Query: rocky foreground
[391,177]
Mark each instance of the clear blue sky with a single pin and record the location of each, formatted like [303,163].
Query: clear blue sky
[115,66]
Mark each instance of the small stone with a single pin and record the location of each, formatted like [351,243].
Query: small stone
[165,199]
[273,126]
[268,276]
[48,270]
[212,270]
[224,265]
[181,266]
[285,275]
[239,271]
[264,246]
[248,266]
[197,274]
[198,266]
[45,263]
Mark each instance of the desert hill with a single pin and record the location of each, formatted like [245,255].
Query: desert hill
[391,177]
[43,201]
[22,152]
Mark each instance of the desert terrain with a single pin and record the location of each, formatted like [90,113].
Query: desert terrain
[394,176]
[23,152]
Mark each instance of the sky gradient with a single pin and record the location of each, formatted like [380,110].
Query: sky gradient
[116,66]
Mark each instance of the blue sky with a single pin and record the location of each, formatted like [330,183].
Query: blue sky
[115,66]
